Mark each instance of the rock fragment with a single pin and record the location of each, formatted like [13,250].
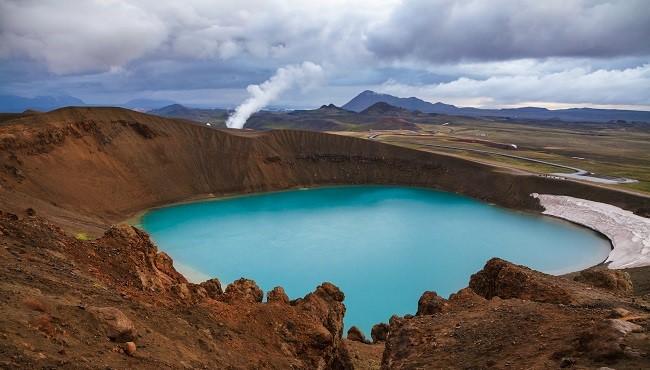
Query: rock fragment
[130,348]
[117,325]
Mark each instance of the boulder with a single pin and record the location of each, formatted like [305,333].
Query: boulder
[604,278]
[356,335]
[130,348]
[506,280]
[379,332]
[243,290]
[118,326]
[212,288]
[331,291]
[618,312]
[277,295]
[625,327]
[430,303]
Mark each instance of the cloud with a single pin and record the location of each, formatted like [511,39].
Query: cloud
[209,51]
[78,36]
[576,86]
[443,31]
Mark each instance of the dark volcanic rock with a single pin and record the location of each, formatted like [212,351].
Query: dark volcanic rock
[503,279]
[466,297]
[602,277]
[278,295]
[356,335]
[326,303]
[379,332]
[430,303]
[243,290]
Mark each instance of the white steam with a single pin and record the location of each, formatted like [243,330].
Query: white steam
[305,75]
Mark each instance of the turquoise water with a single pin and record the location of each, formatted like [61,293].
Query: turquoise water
[383,246]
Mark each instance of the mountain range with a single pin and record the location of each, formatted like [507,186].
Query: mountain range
[16,104]
[380,116]
[358,104]
[13,103]
[367,98]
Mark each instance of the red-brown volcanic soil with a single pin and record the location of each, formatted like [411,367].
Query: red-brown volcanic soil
[116,302]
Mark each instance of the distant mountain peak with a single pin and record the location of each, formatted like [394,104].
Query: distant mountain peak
[366,99]
[368,92]
[384,109]
[329,107]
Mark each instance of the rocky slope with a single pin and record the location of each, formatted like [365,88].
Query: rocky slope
[514,317]
[117,302]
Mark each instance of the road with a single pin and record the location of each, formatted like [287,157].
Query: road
[578,174]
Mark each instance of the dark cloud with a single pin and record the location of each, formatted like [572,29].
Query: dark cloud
[443,31]
[205,51]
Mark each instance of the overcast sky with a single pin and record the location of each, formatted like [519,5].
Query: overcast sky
[490,53]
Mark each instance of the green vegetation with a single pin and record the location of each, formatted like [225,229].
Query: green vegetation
[82,236]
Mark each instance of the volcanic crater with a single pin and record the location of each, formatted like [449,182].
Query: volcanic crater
[81,289]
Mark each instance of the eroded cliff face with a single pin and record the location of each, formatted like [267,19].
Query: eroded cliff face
[87,168]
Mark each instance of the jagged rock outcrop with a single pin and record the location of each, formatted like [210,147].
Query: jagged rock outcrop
[131,259]
[212,288]
[356,335]
[277,295]
[379,332]
[523,323]
[430,303]
[502,279]
[326,303]
[243,291]
[466,297]
[602,277]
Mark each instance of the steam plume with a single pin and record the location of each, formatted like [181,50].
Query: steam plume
[305,75]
